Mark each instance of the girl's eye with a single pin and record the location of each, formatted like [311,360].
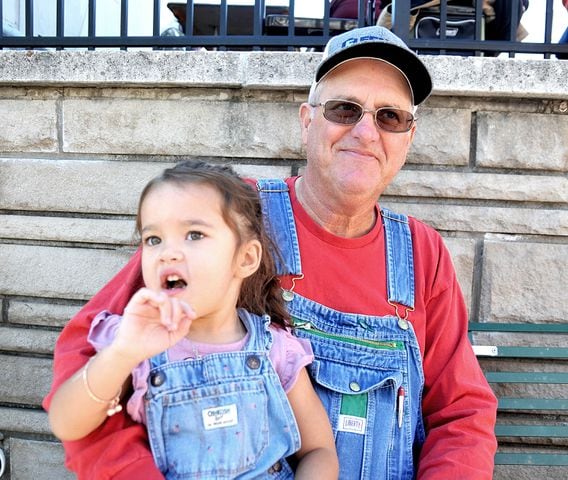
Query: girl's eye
[195,236]
[152,241]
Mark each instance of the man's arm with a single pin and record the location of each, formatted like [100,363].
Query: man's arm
[119,448]
[459,407]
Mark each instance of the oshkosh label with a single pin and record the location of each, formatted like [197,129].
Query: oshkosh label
[220,417]
[351,424]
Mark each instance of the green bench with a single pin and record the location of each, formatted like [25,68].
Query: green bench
[531,384]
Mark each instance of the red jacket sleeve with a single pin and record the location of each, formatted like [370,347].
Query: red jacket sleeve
[459,407]
[119,448]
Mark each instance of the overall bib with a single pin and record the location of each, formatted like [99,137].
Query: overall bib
[222,416]
[367,369]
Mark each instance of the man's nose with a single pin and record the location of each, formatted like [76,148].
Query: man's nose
[366,128]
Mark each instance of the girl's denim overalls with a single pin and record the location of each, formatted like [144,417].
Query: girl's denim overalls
[367,369]
[222,416]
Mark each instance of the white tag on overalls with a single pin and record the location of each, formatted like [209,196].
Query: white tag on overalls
[351,424]
[220,417]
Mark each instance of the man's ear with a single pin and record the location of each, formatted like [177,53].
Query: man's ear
[306,113]
[248,261]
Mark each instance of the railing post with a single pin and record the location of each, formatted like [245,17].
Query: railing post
[401,19]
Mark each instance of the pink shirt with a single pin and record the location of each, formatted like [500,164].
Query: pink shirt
[288,354]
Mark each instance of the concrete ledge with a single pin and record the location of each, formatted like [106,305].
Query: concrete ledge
[53,272]
[28,340]
[38,312]
[48,460]
[468,76]
[26,380]
[24,419]
[467,218]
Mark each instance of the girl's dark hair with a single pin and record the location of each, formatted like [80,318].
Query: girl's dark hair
[241,210]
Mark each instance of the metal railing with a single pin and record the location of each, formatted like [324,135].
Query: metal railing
[259,26]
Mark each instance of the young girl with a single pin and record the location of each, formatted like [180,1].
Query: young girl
[218,380]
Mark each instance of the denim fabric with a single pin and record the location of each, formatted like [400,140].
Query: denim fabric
[222,416]
[362,361]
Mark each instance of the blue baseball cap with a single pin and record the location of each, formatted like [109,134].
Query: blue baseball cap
[380,43]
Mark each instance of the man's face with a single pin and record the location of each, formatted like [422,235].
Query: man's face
[356,161]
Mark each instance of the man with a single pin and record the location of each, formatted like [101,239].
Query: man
[374,291]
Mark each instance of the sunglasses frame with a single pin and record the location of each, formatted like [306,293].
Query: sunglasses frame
[363,111]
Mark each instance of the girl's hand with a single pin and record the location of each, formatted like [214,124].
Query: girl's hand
[152,322]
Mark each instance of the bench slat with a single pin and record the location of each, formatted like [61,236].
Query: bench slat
[553,459]
[560,353]
[533,404]
[527,377]
[518,327]
[547,431]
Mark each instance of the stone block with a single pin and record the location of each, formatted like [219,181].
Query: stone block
[528,472]
[462,251]
[72,273]
[28,125]
[452,75]
[434,144]
[36,312]
[278,70]
[531,141]
[263,171]
[524,282]
[479,186]
[62,186]
[448,217]
[25,420]
[68,229]
[181,126]
[33,459]
[95,186]
[25,380]
[497,77]
[27,340]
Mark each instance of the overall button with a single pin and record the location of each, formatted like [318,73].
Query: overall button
[277,467]
[253,362]
[403,324]
[157,379]
[355,387]
[287,295]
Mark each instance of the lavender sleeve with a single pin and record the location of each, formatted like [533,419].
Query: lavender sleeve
[289,354]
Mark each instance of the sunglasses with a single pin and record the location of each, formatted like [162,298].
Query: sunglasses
[345,112]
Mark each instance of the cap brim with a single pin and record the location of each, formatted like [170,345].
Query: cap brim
[408,63]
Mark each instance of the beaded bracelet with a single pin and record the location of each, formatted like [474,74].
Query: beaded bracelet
[113,404]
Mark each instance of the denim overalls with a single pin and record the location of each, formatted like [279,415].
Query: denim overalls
[222,416]
[367,369]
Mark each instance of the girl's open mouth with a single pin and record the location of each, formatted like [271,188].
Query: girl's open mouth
[173,282]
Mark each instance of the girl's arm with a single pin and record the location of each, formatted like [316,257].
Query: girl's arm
[74,413]
[317,455]
[152,322]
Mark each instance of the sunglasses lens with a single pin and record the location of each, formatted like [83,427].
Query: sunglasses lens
[394,120]
[345,113]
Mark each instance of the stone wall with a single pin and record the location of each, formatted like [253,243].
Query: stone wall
[83,131]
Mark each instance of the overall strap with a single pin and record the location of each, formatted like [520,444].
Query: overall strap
[257,327]
[157,360]
[279,222]
[399,258]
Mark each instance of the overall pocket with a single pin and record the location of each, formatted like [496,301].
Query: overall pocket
[216,431]
[358,381]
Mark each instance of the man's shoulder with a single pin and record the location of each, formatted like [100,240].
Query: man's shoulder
[417,227]
[422,233]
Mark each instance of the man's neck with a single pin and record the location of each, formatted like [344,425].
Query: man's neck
[341,220]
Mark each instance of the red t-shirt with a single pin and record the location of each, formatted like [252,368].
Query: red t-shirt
[348,275]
